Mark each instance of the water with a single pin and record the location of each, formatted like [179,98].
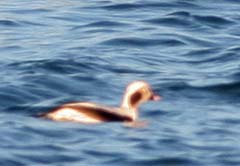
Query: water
[53,52]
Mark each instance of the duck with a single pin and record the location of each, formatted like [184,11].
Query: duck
[136,93]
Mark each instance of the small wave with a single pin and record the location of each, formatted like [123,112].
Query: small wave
[9,98]
[188,39]
[122,6]
[231,87]
[141,42]
[32,11]
[166,161]
[11,162]
[208,55]
[45,159]
[57,65]
[230,121]
[213,20]
[103,154]
[183,18]
[106,24]
[101,24]
[152,5]
[202,52]
[171,21]
[188,4]
[199,41]
[176,86]
[10,48]
[180,14]
[31,23]
[9,23]
[212,56]
[65,18]
[234,49]
[231,158]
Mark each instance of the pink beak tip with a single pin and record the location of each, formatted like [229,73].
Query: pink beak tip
[156,97]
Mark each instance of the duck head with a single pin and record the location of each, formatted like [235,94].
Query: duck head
[137,93]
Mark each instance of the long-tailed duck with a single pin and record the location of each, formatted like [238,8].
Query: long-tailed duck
[136,93]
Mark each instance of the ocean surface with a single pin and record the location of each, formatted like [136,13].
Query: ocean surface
[53,52]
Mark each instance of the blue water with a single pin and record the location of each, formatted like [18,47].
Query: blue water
[53,52]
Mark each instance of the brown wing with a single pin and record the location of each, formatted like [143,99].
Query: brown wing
[88,111]
[102,113]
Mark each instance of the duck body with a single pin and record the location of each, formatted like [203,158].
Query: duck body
[88,113]
[91,113]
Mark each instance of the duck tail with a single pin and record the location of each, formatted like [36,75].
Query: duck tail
[41,115]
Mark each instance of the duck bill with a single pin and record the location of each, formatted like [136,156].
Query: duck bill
[155,97]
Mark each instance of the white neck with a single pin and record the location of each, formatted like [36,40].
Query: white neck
[128,108]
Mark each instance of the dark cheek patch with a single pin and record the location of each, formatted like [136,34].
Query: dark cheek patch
[135,98]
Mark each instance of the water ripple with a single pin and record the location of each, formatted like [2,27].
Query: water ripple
[101,24]
[166,161]
[31,11]
[122,6]
[141,42]
[9,23]
[152,5]
[213,20]
[171,21]
[54,53]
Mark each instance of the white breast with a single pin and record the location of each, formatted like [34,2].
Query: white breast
[69,114]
